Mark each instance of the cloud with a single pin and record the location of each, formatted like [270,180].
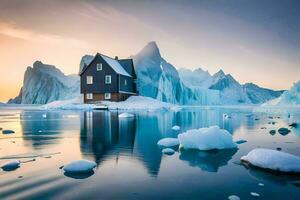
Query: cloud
[11,30]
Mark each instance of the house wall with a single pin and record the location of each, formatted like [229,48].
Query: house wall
[130,87]
[99,85]
[100,97]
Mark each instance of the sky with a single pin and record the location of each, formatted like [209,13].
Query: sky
[253,40]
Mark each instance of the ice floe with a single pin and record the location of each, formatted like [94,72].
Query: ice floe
[254,194]
[79,166]
[168,142]
[176,128]
[207,139]
[273,160]
[233,197]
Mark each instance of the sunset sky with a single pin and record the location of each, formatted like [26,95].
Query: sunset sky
[254,40]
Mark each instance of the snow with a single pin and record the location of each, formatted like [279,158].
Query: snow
[168,142]
[10,165]
[117,67]
[206,139]
[80,166]
[288,98]
[125,115]
[168,151]
[273,160]
[176,128]
[233,197]
[137,103]
[71,104]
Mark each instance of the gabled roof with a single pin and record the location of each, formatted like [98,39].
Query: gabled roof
[117,67]
[127,64]
[114,64]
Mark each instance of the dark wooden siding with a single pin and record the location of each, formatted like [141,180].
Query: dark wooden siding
[130,87]
[99,85]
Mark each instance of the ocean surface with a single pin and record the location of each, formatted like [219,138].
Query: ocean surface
[130,165]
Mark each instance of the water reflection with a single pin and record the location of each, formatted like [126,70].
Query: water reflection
[209,161]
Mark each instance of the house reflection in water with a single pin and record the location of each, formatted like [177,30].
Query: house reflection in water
[104,136]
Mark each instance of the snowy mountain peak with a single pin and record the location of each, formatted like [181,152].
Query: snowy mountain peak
[151,50]
[219,74]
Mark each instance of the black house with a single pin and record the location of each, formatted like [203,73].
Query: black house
[105,78]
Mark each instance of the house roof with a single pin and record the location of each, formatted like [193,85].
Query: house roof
[118,67]
[128,66]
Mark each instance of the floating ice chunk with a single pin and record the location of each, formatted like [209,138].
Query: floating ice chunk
[261,184]
[254,194]
[241,141]
[44,115]
[10,165]
[233,197]
[8,131]
[273,160]
[80,166]
[207,139]
[125,115]
[176,128]
[168,142]
[168,151]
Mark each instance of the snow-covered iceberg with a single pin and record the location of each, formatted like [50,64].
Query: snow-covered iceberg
[288,98]
[207,139]
[10,165]
[273,160]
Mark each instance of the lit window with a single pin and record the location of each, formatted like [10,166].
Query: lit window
[89,95]
[108,79]
[89,80]
[125,82]
[99,66]
[107,95]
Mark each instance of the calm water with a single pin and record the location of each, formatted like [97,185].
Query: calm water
[130,164]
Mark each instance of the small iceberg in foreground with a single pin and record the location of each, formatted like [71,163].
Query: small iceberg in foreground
[233,197]
[10,165]
[125,115]
[168,142]
[273,160]
[168,151]
[207,139]
[176,128]
[79,167]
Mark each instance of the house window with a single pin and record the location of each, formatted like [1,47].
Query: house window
[108,79]
[89,80]
[125,82]
[89,95]
[107,95]
[99,66]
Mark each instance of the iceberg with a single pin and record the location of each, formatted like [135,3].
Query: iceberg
[273,160]
[168,142]
[207,139]
[80,166]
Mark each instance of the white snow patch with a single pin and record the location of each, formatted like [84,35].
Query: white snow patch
[71,104]
[168,151]
[176,128]
[80,166]
[273,160]
[206,139]
[12,164]
[168,142]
